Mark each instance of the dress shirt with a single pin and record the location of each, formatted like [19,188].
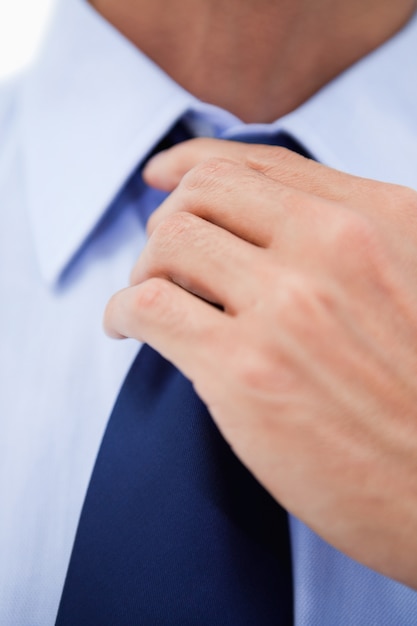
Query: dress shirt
[73,128]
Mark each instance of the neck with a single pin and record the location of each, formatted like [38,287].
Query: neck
[259,59]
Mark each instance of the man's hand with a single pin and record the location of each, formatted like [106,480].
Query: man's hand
[309,362]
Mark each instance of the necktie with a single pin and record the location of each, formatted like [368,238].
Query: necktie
[174,529]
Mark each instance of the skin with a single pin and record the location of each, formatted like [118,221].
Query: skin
[317,339]
[258,59]
[313,272]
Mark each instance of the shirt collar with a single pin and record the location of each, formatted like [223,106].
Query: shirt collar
[93,107]
[365,121]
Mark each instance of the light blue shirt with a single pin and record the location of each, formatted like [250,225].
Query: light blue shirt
[72,129]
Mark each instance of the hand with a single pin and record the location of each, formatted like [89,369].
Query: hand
[309,363]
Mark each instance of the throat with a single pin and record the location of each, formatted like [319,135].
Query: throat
[257,59]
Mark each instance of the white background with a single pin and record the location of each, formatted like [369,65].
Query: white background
[22,23]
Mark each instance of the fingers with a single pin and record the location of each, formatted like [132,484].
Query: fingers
[203,259]
[181,327]
[240,200]
[166,169]
[381,202]
[265,187]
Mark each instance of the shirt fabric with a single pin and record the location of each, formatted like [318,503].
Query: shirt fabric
[72,130]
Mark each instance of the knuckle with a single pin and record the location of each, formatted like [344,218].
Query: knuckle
[264,370]
[355,235]
[252,372]
[152,294]
[353,230]
[295,293]
[303,304]
[177,225]
[206,174]
[268,159]
[360,250]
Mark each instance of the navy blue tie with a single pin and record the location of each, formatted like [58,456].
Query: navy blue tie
[174,529]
